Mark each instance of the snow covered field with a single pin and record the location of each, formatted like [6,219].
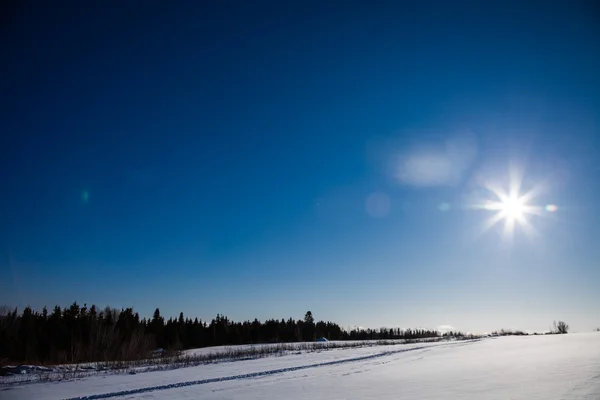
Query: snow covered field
[19,374]
[525,367]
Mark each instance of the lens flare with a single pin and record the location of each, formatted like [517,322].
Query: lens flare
[512,206]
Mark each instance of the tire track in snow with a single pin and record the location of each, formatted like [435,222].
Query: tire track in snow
[247,376]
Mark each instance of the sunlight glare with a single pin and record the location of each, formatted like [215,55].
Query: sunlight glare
[513,207]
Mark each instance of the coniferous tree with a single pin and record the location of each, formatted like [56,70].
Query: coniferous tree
[78,333]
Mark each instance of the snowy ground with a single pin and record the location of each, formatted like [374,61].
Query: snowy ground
[20,374]
[527,367]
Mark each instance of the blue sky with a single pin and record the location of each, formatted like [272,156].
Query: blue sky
[264,159]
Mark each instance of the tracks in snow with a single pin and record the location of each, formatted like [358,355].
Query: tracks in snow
[250,375]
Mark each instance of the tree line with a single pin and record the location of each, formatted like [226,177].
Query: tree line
[84,334]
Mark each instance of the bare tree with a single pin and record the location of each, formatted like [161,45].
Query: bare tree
[562,327]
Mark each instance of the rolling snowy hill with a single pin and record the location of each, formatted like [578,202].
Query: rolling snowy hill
[528,367]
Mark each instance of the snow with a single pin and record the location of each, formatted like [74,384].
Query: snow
[194,357]
[516,367]
[303,346]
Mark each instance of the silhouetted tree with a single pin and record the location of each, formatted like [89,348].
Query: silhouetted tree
[562,327]
[80,334]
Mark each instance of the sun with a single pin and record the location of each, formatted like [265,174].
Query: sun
[510,205]
[509,208]
[513,208]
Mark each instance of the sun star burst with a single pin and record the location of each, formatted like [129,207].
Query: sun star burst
[512,207]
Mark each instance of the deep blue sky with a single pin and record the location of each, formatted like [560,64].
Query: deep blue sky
[259,159]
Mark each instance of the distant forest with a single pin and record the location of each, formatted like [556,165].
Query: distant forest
[83,334]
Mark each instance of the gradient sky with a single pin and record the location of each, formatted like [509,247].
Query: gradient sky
[261,159]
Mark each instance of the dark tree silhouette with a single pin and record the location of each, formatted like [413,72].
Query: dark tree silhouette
[82,334]
[562,327]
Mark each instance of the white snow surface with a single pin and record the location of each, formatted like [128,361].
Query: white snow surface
[518,367]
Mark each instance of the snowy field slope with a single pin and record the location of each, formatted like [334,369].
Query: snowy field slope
[21,374]
[526,367]
[306,346]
